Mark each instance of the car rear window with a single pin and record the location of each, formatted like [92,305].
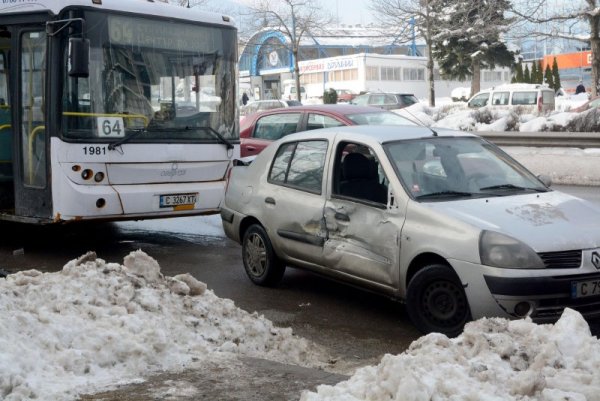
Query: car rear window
[408,99]
[380,118]
[276,126]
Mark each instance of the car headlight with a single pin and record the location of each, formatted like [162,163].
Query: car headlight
[500,250]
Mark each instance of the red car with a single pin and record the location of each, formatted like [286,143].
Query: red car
[257,131]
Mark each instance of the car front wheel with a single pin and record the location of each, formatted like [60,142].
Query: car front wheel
[436,301]
[260,262]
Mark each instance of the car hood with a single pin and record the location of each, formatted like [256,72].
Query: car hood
[551,221]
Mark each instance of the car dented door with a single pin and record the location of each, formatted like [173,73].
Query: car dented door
[364,221]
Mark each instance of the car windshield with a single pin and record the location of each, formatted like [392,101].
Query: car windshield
[379,118]
[173,81]
[444,168]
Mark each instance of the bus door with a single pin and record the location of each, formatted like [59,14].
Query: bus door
[30,167]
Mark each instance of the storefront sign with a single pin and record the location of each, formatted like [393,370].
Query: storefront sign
[327,65]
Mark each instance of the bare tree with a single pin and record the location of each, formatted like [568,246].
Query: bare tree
[294,19]
[550,20]
[393,17]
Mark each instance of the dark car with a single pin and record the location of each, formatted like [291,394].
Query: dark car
[257,131]
[387,101]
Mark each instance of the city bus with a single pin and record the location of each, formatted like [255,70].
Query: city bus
[114,110]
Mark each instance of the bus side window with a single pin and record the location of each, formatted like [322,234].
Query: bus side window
[5,119]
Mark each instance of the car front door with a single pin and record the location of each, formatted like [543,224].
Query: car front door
[363,219]
[294,200]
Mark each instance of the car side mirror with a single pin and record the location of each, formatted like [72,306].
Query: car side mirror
[545,179]
[79,58]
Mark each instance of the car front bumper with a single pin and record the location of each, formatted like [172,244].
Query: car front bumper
[547,292]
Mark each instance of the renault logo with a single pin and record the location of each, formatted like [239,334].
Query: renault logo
[596,259]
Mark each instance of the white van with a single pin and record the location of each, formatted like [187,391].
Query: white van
[531,97]
[289,93]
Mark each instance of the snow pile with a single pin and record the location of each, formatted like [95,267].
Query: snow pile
[95,324]
[493,360]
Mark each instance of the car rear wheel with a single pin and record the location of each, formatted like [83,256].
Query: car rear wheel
[260,262]
[436,301]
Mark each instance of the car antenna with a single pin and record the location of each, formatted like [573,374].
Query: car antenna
[420,122]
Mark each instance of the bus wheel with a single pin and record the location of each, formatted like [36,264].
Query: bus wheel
[262,265]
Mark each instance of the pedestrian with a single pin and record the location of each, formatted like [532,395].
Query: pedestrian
[580,88]
[245,98]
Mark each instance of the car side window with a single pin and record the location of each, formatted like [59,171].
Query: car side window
[275,126]
[359,175]
[524,98]
[479,100]
[316,121]
[300,165]
[361,100]
[377,99]
[390,99]
[500,98]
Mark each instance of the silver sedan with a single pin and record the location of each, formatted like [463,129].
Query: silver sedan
[442,220]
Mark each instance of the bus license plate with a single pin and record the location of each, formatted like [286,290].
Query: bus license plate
[581,289]
[178,200]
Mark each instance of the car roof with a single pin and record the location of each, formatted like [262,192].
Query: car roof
[377,133]
[329,108]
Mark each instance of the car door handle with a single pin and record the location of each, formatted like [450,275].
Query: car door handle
[342,217]
[270,200]
[251,148]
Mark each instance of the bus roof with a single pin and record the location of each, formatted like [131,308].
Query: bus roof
[141,7]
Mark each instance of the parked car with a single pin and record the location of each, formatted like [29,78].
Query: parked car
[259,130]
[387,101]
[345,95]
[529,97]
[261,105]
[443,220]
[590,104]
[289,93]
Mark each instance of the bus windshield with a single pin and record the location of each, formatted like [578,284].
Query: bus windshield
[152,81]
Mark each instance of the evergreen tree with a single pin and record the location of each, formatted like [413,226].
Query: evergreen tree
[548,78]
[526,75]
[555,75]
[534,73]
[463,53]
[513,80]
[519,72]
[540,73]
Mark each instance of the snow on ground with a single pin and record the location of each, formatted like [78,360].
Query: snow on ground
[493,360]
[96,324]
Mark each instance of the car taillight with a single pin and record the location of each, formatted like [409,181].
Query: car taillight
[540,104]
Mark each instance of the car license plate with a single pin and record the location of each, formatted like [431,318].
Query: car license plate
[178,200]
[581,289]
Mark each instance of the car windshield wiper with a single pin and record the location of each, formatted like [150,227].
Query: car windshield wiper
[442,194]
[137,132]
[513,187]
[213,131]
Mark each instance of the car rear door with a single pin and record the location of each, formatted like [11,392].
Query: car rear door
[269,128]
[294,200]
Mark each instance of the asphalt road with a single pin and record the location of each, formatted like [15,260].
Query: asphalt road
[357,327]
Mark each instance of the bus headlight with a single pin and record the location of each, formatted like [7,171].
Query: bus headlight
[87,174]
[499,250]
[99,176]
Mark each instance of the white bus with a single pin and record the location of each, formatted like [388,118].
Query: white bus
[114,109]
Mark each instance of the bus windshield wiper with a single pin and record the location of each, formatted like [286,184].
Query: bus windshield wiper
[514,187]
[134,133]
[442,194]
[214,132]
[137,132]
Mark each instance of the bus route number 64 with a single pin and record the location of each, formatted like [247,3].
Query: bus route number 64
[110,127]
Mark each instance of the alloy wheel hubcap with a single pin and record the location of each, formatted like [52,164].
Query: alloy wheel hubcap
[256,255]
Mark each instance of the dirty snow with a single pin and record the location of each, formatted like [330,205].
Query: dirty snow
[96,324]
[493,360]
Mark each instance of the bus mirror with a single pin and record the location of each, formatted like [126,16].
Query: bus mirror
[79,58]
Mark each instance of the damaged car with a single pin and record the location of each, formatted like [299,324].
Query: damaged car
[442,220]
